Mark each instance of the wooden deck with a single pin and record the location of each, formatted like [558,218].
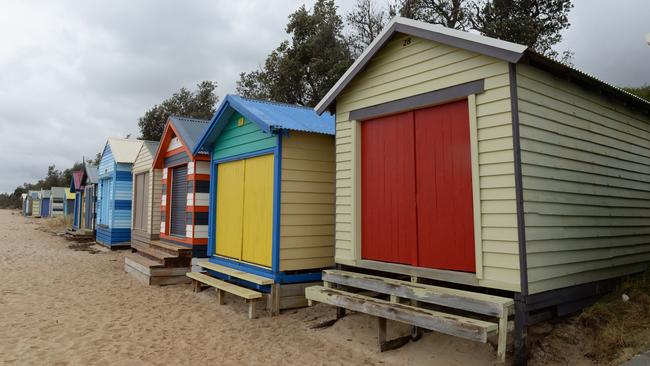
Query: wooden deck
[405,301]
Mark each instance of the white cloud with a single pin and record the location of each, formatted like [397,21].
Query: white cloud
[73,73]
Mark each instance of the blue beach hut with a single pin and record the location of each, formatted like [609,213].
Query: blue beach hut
[113,227]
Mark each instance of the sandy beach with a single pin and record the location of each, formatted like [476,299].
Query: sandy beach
[59,306]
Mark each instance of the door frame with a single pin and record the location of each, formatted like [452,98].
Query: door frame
[135,200]
[277,186]
[445,275]
[170,185]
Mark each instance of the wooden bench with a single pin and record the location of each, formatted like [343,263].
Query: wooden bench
[273,303]
[250,296]
[493,306]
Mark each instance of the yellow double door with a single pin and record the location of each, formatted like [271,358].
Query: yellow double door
[245,210]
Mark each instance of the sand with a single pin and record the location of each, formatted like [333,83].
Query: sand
[59,306]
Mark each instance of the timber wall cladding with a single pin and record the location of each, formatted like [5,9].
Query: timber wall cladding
[398,71]
[417,188]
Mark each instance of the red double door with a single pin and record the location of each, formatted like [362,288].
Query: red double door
[416,186]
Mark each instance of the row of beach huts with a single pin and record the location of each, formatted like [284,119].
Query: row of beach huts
[450,181]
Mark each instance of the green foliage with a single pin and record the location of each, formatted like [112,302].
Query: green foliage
[198,104]
[53,178]
[534,23]
[641,91]
[302,70]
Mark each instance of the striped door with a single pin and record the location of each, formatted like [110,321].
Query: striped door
[178,202]
[245,210]
[89,208]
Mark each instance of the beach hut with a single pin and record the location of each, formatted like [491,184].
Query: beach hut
[145,223]
[57,201]
[36,203]
[89,200]
[155,262]
[185,185]
[114,192]
[271,222]
[469,161]
[24,202]
[76,188]
[45,196]
[69,204]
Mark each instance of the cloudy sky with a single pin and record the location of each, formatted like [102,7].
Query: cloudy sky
[73,73]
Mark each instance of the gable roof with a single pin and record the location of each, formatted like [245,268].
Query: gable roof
[150,146]
[92,174]
[503,50]
[124,150]
[76,181]
[268,116]
[188,131]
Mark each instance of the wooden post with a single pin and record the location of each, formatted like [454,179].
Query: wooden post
[416,333]
[503,336]
[521,333]
[251,309]
[381,327]
[274,300]
[220,297]
[340,312]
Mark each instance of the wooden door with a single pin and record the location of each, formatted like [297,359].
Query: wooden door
[444,188]
[230,209]
[388,218]
[416,183]
[245,210]
[178,202]
[141,202]
[257,228]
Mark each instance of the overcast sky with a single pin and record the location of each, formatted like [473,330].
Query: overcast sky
[73,73]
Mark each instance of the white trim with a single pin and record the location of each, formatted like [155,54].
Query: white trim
[476,184]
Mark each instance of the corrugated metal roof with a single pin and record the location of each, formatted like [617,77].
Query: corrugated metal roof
[269,116]
[124,150]
[151,146]
[507,51]
[92,174]
[189,129]
[58,192]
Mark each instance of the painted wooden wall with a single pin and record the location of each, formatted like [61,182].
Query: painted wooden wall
[236,140]
[116,219]
[144,163]
[402,69]
[586,183]
[307,201]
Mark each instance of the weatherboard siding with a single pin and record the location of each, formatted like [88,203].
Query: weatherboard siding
[307,201]
[144,163]
[402,69]
[236,140]
[586,180]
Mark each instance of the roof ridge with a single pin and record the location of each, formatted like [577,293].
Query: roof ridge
[190,118]
[272,102]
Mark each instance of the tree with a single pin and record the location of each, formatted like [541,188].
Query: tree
[641,91]
[449,13]
[366,21]
[198,104]
[302,70]
[534,23]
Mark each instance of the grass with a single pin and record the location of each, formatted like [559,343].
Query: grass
[56,223]
[620,324]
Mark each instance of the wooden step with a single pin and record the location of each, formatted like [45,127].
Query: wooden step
[171,248]
[457,299]
[249,295]
[168,259]
[153,273]
[259,280]
[459,326]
